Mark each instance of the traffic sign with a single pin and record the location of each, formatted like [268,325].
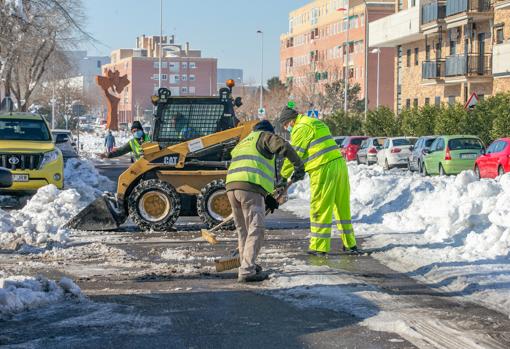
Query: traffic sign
[472,101]
[313,114]
[262,112]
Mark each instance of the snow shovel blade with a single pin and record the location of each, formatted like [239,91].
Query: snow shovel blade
[100,215]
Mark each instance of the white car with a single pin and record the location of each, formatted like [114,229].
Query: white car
[395,152]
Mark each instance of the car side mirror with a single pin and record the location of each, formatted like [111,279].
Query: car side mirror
[5,178]
[427,151]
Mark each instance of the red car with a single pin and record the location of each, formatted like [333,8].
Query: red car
[350,147]
[496,160]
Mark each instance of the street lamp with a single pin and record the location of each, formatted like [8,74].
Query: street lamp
[160,42]
[346,70]
[378,51]
[261,104]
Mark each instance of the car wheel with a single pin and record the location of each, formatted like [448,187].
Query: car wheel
[477,172]
[441,170]
[213,206]
[386,165]
[409,168]
[357,160]
[501,171]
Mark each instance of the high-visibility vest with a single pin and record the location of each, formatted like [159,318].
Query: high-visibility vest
[249,165]
[136,148]
[322,149]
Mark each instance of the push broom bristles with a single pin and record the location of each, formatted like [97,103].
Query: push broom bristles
[228,263]
[209,237]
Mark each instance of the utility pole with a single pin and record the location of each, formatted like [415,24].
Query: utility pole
[346,76]
[261,103]
[366,58]
[160,42]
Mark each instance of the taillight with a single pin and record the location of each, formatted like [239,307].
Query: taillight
[374,151]
[448,156]
[396,150]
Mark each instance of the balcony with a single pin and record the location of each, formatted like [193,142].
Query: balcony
[397,29]
[455,7]
[469,65]
[432,12]
[432,69]
[501,60]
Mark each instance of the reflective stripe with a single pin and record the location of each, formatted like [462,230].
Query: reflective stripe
[320,225]
[344,222]
[320,140]
[252,170]
[322,152]
[255,158]
[320,236]
[299,149]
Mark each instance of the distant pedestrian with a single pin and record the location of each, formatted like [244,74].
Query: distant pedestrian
[109,141]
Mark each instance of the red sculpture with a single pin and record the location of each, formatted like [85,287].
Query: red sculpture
[117,84]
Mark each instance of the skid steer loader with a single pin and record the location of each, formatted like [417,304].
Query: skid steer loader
[182,171]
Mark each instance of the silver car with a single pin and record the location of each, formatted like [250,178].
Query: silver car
[369,148]
[65,142]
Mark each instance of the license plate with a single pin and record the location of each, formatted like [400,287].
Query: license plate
[468,156]
[20,178]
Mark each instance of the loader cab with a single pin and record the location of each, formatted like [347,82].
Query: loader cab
[180,119]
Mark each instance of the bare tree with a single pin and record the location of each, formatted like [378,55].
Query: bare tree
[31,33]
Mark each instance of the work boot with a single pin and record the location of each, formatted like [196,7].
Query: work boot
[317,253]
[257,277]
[258,268]
[353,249]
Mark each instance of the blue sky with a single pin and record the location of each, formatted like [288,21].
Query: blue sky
[223,29]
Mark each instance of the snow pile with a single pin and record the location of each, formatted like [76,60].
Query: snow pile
[19,293]
[453,231]
[50,208]
[93,143]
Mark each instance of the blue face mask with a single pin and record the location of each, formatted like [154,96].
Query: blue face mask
[138,134]
[289,128]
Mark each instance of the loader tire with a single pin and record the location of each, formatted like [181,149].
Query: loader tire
[154,205]
[213,205]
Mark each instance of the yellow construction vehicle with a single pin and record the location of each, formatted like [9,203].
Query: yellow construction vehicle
[182,171]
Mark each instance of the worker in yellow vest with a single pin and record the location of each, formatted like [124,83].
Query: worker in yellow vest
[329,180]
[250,183]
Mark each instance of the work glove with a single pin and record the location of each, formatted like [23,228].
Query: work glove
[297,176]
[271,203]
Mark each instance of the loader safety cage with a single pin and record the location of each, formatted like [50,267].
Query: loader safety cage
[180,119]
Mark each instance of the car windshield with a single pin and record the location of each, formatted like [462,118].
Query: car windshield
[357,141]
[429,142]
[378,142]
[465,143]
[61,137]
[24,130]
[401,141]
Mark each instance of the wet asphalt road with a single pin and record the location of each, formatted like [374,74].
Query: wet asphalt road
[133,307]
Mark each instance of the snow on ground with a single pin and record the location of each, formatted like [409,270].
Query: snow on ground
[93,143]
[452,232]
[40,220]
[19,293]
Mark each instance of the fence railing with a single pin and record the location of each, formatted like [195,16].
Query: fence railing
[432,69]
[454,7]
[471,64]
[433,11]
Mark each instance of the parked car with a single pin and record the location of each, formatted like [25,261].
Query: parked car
[367,154]
[395,152]
[28,151]
[339,140]
[496,160]
[418,152]
[350,146]
[64,140]
[5,178]
[453,154]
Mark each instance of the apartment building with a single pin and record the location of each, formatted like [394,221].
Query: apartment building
[183,71]
[446,50]
[314,50]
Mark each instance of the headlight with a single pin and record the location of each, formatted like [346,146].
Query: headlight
[49,157]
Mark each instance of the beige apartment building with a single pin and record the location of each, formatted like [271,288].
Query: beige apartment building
[314,50]
[446,50]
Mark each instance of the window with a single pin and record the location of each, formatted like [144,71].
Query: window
[156,65]
[427,101]
[192,77]
[451,100]
[184,65]
[409,58]
[493,148]
[192,65]
[184,89]
[427,53]
[413,3]
[192,90]
[155,77]
[164,76]
[415,103]
[500,36]
[453,47]
[184,78]
[416,56]
[408,103]
[164,65]
[437,101]
[440,144]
